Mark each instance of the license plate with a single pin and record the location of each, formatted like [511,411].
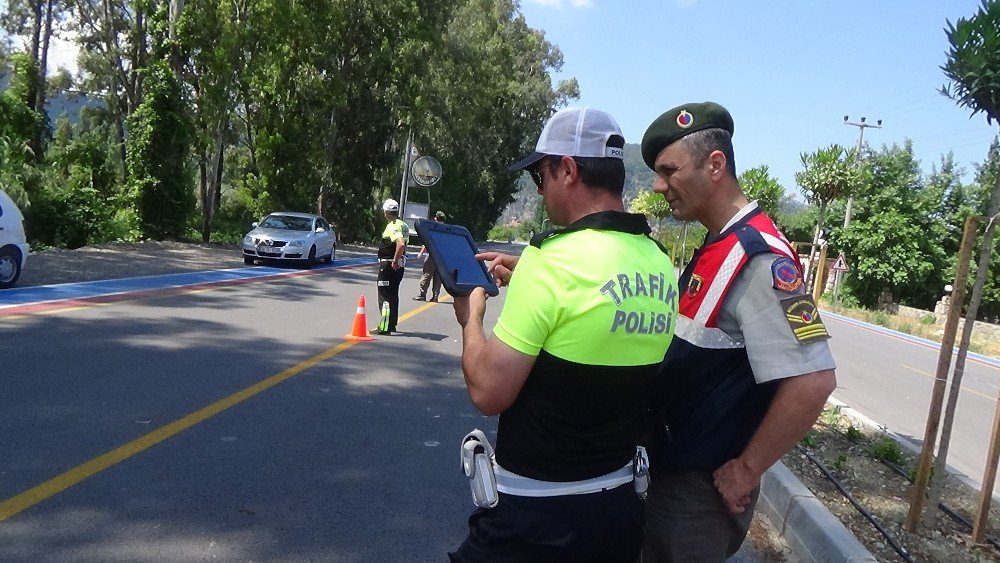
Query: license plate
[269,250]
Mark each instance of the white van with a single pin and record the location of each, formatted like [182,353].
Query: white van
[13,245]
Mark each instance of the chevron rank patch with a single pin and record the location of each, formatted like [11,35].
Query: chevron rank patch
[786,275]
[803,318]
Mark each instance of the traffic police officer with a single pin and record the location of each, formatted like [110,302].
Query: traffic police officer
[391,260]
[570,365]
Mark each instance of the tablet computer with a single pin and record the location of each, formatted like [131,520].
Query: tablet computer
[454,254]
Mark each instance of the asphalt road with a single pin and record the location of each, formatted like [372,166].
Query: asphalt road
[232,422]
[351,456]
[889,378]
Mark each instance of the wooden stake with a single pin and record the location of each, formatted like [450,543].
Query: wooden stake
[818,276]
[919,494]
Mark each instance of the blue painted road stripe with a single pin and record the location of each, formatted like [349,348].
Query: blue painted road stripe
[95,289]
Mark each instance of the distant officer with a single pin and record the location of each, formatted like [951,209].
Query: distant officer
[430,270]
[391,259]
[749,369]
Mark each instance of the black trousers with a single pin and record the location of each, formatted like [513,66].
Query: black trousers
[388,290]
[603,527]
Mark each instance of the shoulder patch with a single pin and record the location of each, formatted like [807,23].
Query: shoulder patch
[803,318]
[786,275]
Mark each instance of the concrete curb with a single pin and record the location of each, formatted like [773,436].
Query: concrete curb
[812,532]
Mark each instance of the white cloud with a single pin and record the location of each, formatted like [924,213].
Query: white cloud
[583,3]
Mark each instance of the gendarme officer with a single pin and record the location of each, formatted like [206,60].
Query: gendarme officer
[749,369]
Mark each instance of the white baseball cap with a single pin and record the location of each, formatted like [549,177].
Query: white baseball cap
[576,132]
[390,205]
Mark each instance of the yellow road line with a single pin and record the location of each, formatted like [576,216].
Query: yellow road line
[60,483]
[964,388]
[53,486]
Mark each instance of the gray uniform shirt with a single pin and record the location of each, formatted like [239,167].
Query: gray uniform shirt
[752,313]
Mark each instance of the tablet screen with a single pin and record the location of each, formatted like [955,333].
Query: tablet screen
[460,259]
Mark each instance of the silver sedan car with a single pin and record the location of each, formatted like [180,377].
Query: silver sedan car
[288,235]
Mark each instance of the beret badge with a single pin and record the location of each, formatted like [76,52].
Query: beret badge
[685,119]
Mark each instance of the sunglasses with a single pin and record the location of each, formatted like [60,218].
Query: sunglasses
[536,171]
[536,176]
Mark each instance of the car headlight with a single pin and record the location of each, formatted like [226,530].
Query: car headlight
[296,243]
[248,240]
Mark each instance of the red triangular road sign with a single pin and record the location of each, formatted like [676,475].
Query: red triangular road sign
[840,264]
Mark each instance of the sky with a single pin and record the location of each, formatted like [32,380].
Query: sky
[788,71]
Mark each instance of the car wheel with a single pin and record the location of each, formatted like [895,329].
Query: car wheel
[312,257]
[329,259]
[10,267]
[248,260]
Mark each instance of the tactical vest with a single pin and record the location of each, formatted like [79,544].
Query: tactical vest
[708,405]
[387,244]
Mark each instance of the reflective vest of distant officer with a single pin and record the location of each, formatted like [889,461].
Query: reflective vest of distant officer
[391,259]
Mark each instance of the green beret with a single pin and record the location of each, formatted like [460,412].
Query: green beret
[680,121]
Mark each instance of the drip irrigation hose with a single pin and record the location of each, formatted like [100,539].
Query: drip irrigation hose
[944,508]
[840,487]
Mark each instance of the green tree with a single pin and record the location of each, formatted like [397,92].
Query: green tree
[978,200]
[81,202]
[19,125]
[955,203]
[324,95]
[209,39]
[973,71]
[796,220]
[827,174]
[651,204]
[114,39]
[973,68]
[36,21]
[892,238]
[486,97]
[158,148]
[760,186]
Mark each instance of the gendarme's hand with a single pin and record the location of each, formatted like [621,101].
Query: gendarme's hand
[735,481]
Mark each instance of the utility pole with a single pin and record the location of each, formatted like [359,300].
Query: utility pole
[857,150]
[406,174]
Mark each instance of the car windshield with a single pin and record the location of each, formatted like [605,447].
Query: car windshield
[287,223]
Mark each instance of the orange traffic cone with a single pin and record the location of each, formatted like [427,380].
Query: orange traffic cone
[360,329]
